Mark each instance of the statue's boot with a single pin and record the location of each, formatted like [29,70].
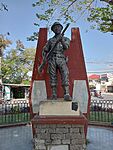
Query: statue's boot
[54,93]
[67,96]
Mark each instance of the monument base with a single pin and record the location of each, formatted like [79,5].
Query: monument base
[57,126]
[58,108]
[51,133]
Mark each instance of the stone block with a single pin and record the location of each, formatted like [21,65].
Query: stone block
[62,130]
[48,142]
[74,141]
[51,130]
[80,94]
[64,125]
[43,136]
[75,147]
[56,142]
[57,136]
[37,141]
[42,126]
[67,136]
[40,147]
[43,130]
[38,94]
[75,135]
[74,130]
[57,108]
[66,141]
[52,126]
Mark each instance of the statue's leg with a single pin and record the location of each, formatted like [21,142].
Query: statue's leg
[65,79]
[67,96]
[53,78]
[54,93]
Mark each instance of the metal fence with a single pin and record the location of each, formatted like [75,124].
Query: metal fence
[12,112]
[101,111]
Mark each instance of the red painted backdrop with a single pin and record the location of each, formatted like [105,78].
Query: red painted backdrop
[76,64]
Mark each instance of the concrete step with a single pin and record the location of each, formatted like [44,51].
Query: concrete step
[57,108]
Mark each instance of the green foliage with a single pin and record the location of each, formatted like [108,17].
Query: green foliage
[49,11]
[54,10]
[17,64]
[34,36]
[102,18]
[4,42]
[98,12]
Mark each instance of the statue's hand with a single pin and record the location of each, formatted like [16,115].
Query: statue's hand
[60,37]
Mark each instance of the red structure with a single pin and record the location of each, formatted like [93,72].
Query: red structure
[76,65]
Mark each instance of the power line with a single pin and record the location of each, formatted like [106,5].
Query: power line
[96,62]
[110,71]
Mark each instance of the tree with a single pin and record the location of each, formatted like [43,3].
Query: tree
[4,42]
[98,12]
[102,16]
[17,64]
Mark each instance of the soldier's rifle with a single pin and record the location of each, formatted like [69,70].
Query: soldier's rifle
[40,68]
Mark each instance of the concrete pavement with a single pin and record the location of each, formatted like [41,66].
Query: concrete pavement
[100,138]
[16,138]
[20,138]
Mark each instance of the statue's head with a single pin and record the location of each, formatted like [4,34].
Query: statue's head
[56,25]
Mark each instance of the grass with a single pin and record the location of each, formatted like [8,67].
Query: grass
[14,118]
[101,116]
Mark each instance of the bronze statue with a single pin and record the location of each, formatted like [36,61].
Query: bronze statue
[53,52]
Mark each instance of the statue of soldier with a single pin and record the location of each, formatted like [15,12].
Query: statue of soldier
[57,60]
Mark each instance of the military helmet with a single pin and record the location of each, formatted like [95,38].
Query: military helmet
[56,23]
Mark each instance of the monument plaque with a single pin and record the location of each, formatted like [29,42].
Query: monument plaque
[38,94]
[80,94]
[57,108]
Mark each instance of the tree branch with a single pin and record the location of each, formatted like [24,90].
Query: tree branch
[3,7]
[85,10]
[108,1]
[69,6]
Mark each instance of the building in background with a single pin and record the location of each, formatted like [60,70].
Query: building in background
[15,91]
[101,83]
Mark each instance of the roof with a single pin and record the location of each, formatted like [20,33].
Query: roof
[94,77]
[16,85]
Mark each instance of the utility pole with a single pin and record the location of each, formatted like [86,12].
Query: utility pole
[1,95]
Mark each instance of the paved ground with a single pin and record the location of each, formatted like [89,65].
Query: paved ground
[16,138]
[20,138]
[100,138]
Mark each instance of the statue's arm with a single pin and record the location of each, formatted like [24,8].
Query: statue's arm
[45,49]
[65,42]
[44,55]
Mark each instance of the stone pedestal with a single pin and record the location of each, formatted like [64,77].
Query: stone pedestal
[57,108]
[57,131]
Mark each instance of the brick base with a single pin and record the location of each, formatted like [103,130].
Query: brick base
[48,134]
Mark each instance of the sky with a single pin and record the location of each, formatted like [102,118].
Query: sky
[19,22]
